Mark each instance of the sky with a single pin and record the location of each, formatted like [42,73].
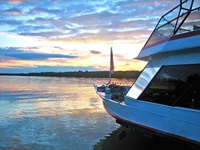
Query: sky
[74,35]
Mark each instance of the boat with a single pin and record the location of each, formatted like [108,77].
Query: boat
[116,91]
[164,100]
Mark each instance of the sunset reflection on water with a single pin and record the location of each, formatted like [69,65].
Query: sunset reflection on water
[51,112]
[61,114]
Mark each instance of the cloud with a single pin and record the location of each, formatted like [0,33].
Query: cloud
[28,55]
[44,10]
[124,21]
[15,1]
[13,11]
[95,52]
[92,19]
[71,32]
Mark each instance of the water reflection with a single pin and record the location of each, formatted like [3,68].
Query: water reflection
[57,113]
[136,141]
[51,113]
[47,96]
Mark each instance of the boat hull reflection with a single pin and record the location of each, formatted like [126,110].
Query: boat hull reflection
[137,141]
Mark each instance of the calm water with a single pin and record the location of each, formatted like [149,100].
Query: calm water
[60,114]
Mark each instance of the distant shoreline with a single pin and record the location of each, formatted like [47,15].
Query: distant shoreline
[85,74]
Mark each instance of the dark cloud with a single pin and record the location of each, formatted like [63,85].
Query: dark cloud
[44,10]
[28,55]
[95,52]
[14,23]
[13,11]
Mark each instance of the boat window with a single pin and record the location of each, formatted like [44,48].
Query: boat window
[175,86]
[142,82]
[192,23]
[179,20]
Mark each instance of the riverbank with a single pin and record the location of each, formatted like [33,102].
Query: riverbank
[84,74]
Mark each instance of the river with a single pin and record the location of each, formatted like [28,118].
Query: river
[58,113]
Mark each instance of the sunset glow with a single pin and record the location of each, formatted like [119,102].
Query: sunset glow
[42,36]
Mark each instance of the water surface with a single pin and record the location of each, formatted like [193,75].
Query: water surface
[51,113]
[59,114]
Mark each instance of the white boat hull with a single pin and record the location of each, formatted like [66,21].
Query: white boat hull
[165,98]
[170,121]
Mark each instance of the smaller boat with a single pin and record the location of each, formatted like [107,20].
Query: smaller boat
[113,90]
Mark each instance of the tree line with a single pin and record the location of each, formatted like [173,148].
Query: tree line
[84,74]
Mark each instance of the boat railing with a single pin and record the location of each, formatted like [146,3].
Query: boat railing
[181,19]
